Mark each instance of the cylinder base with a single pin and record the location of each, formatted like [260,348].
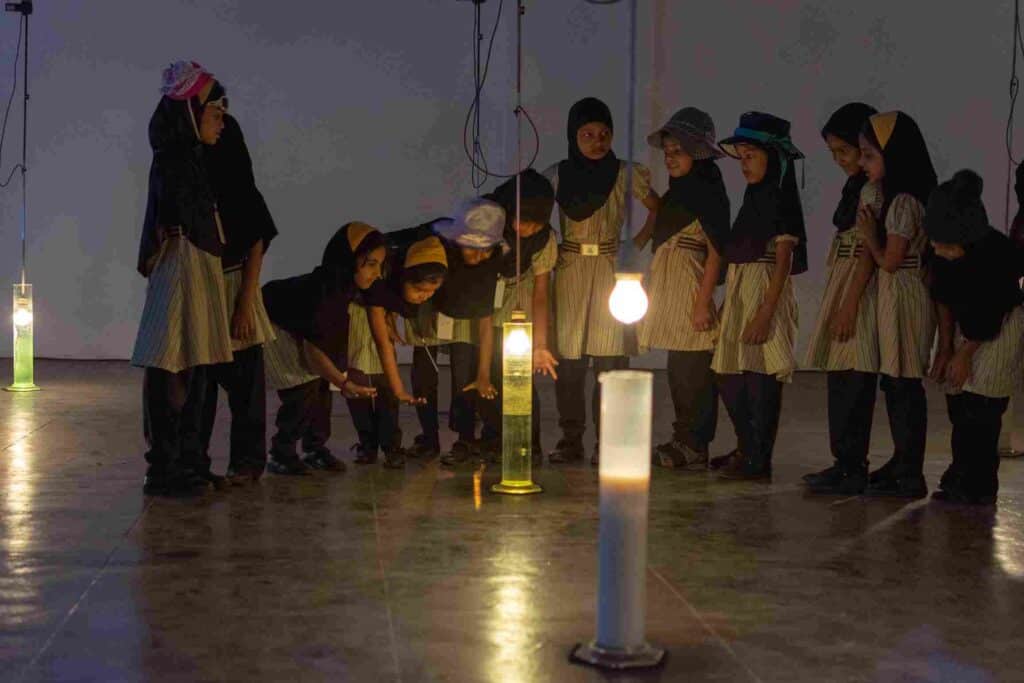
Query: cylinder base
[20,388]
[516,490]
[643,657]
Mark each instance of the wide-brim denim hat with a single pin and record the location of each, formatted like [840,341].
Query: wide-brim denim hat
[693,129]
[475,224]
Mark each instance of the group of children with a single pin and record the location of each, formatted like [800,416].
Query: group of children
[910,260]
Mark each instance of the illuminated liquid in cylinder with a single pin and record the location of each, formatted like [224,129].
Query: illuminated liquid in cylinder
[23,351]
[516,409]
[622,564]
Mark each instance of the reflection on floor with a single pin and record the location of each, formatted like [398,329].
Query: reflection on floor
[379,575]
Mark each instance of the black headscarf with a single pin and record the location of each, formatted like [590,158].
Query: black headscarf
[769,209]
[180,193]
[314,306]
[243,211]
[339,252]
[981,287]
[537,199]
[584,184]
[846,123]
[955,213]
[908,166]
[700,194]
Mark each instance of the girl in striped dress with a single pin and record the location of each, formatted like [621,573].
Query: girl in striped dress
[311,325]
[456,321]
[894,156]
[184,327]
[590,189]
[532,242]
[415,275]
[689,233]
[845,339]
[767,244]
[976,285]
[248,228]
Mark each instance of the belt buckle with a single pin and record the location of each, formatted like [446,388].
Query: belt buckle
[590,249]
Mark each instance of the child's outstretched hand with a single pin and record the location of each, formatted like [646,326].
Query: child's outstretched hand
[352,390]
[410,400]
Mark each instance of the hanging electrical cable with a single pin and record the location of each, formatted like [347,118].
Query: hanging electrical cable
[10,101]
[472,145]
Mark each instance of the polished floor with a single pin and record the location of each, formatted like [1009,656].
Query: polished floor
[423,575]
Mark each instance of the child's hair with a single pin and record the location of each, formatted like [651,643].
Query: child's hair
[425,273]
[374,240]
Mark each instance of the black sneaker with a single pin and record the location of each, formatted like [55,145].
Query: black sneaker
[566,451]
[740,468]
[720,461]
[812,478]
[883,473]
[286,465]
[913,486]
[243,476]
[394,460]
[424,448]
[164,483]
[460,453]
[218,482]
[840,481]
[323,459]
[364,456]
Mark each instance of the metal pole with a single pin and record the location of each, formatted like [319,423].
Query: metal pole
[519,145]
[24,158]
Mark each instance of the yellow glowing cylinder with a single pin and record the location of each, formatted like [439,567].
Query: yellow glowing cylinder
[625,471]
[516,407]
[23,353]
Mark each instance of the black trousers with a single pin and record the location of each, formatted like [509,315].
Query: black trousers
[490,411]
[172,404]
[571,387]
[851,407]
[376,420]
[977,421]
[318,431]
[907,406]
[754,403]
[691,383]
[301,408]
[462,411]
[245,382]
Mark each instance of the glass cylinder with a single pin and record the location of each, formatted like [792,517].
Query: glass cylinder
[22,319]
[516,407]
[625,471]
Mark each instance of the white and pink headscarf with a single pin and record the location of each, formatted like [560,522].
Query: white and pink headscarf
[184,79]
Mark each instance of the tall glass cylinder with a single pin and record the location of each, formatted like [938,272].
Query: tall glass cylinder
[625,471]
[516,407]
[22,319]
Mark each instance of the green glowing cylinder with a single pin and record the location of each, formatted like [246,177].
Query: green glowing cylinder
[23,355]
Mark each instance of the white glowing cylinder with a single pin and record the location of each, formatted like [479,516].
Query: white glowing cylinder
[628,301]
[625,472]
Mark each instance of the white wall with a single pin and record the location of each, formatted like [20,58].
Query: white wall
[355,111]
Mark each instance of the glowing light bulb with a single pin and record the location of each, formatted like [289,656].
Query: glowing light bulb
[628,302]
[517,343]
[22,317]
